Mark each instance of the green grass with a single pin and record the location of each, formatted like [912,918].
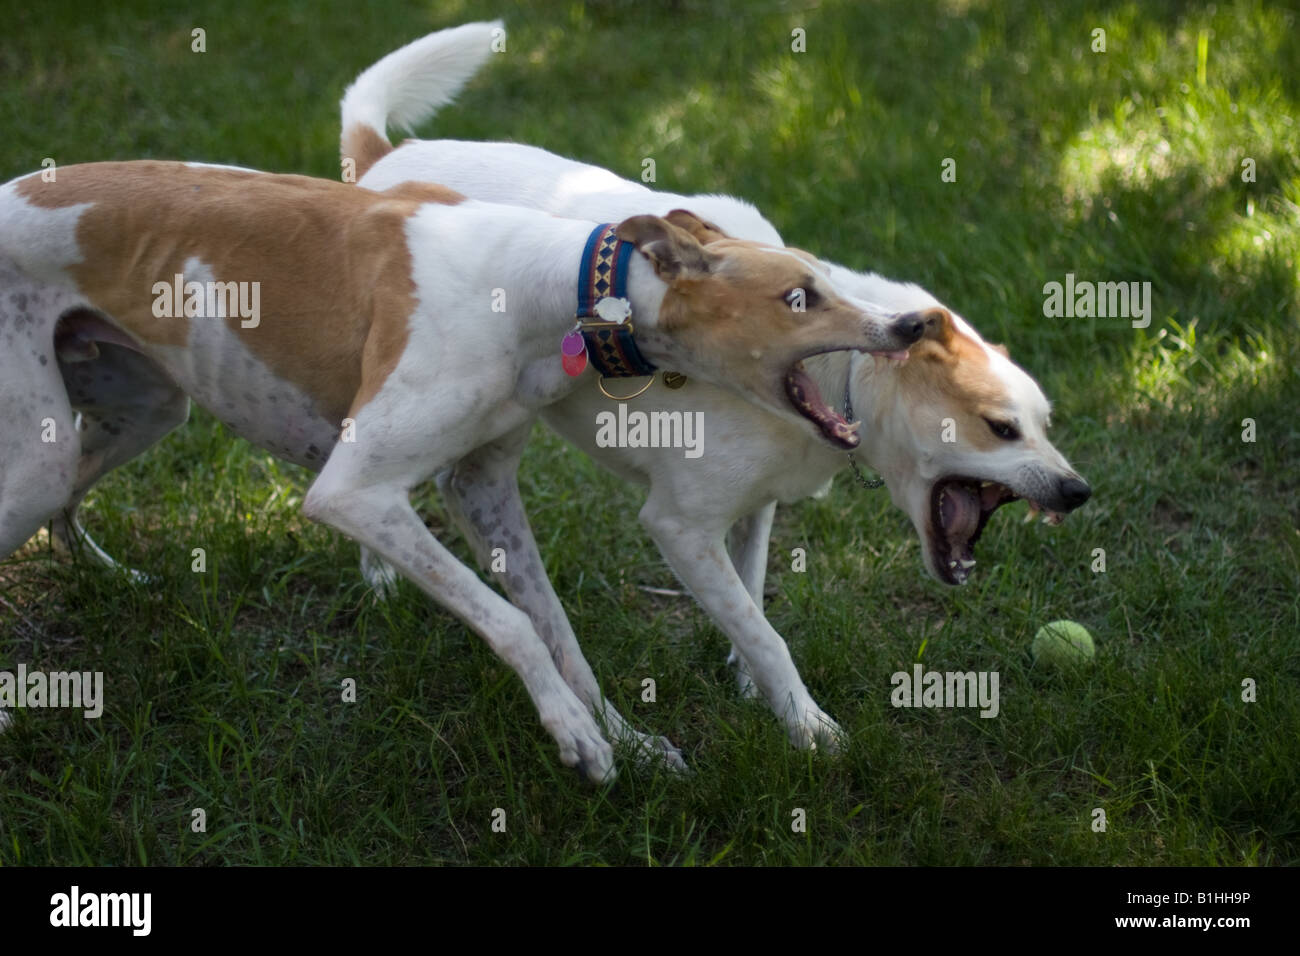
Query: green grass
[223,688]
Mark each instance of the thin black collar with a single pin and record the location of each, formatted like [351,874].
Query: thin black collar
[848,417]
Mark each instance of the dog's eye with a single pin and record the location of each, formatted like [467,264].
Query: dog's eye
[1004,430]
[802,298]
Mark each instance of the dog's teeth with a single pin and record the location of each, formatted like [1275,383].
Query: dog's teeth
[967,563]
[986,484]
[952,564]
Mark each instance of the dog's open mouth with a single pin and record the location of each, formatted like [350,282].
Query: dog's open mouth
[959,510]
[807,400]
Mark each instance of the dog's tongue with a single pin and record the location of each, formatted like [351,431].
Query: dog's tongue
[807,398]
[959,511]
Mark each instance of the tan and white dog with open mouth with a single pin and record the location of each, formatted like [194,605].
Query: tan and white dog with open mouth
[361,335]
[956,431]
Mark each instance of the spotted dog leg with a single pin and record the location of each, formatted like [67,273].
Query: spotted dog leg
[39,443]
[376,512]
[482,494]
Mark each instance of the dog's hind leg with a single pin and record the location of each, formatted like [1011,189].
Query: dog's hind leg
[39,442]
[126,403]
[482,494]
[38,457]
[747,543]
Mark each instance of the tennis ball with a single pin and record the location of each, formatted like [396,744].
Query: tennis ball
[1063,644]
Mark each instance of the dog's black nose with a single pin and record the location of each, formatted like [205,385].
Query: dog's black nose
[1074,492]
[909,327]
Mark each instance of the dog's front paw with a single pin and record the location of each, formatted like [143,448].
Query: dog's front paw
[581,744]
[818,731]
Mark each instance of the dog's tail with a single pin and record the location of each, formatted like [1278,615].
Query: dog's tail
[408,86]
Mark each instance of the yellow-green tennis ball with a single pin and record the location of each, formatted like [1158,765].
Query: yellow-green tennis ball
[1063,644]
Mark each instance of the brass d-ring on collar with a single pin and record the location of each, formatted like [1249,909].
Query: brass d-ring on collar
[600,384]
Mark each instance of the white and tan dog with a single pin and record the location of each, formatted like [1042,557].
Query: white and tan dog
[956,431]
[357,334]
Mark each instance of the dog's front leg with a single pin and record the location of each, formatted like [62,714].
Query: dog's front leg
[482,494]
[747,543]
[381,517]
[698,555]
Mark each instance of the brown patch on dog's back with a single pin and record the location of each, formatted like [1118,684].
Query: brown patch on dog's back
[336,290]
[424,192]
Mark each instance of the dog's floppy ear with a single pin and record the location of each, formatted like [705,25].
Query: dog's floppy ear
[674,252]
[703,230]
